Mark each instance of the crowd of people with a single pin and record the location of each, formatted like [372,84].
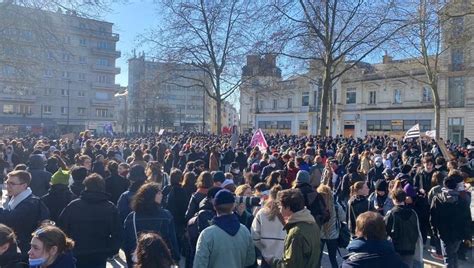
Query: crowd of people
[216,201]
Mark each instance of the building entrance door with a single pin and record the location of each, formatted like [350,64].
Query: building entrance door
[349,130]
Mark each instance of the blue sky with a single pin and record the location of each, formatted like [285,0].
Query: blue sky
[130,19]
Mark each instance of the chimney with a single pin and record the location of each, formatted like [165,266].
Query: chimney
[252,60]
[386,58]
[270,59]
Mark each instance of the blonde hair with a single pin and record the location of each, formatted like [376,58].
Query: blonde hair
[326,193]
[240,190]
[356,187]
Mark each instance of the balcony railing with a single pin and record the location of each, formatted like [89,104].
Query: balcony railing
[108,52]
[105,86]
[15,97]
[107,69]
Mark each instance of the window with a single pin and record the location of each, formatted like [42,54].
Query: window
[81,93]
[101,78]
[101,112]
[275,104]
[457,59]
[47,109]
[48,73]
[373,125]
[82,76]
[397,125]
[457,27]
[456,91]
[66,74]
[427,95]
[63,110]
[8,108]
[456,129]
[386,125]
[290,102]
[264,124]
[303,125]
[67,39]
[64,92]
[82,42]
[82,60]
[66,57]
[372,97]
[283,124]
[305,99]
[102,45]
[260,105]
[351,96]
[82,25]
[48,91]
[397,96]
[101,96]
[103,62]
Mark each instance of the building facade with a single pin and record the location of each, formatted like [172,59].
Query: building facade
[370,99]
[57,72]
[166,96]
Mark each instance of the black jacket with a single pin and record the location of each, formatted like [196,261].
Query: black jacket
[176,202]
[423,180]
[374,175]
[115,185]
[24,219]
[92,221]
[314,202]
[76,188]
[402,226]
[57,198]
[13,259]
[357,205]
[65,260]
[450,216]
[40,178]
[372,253]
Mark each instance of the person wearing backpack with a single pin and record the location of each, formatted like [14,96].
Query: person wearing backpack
[316,172]
[450,219]
[312,199]
[403,228]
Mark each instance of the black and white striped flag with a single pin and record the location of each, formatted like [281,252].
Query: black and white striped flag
[413,132]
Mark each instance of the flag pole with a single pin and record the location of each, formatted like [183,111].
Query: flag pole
[421,142]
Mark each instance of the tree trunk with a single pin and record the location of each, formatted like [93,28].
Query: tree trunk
[437,107]
[219,115]
[324,102]
[331,111]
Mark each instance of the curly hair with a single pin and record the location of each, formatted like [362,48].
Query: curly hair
[152,251]
[144,199]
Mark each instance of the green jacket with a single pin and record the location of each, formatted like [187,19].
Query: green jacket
[302,243]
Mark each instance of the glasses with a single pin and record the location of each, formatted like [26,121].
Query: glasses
[10,183]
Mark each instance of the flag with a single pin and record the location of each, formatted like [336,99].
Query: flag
[431,134]
[413,132]
[258,139]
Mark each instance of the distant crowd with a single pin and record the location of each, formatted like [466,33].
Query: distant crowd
[215,201]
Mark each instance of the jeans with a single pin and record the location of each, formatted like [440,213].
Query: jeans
[331,244]
[450,252]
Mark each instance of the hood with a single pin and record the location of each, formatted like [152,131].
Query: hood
[94,197]
[358,199]
[370,246]
[57,188]
[229,223]
[303,215]
[36,161]
[449,196]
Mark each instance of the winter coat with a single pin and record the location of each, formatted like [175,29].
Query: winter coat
[314,202]
[115,185]
[57,198]
[93,222]
[374,175]
[76,188]
[387,203]
[176,203]
[330,230]
[125,200]
[227,243]
[24,219]
[450,216]
[65,260]
[423,180]
[268,235]
[193,206]
[408,219]
[40,178]
[12,258]
[357,205]
[302,242]
[214,162]
[160,221]
[266,171]
[372,253]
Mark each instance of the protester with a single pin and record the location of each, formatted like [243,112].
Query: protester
[147,215]
[380,200]
[22,210]
[137,178]
[93,222]
[358,204]
[40,178]
[115,184]
[312,199]
[227,243]
[78,175]
[152,251]
[302,242]
[51,248]
[10,255]
[371,247]
[59,195]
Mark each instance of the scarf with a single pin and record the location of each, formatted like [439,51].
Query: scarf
[13,202]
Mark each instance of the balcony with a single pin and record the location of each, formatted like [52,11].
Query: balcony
[103,103]
[105,69]
[105,86]
[98,34]
[15,97]
[106,52]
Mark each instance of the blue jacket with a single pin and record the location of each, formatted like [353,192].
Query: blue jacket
[372,253]
[160,221]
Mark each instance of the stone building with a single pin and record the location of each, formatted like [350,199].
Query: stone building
[57,72]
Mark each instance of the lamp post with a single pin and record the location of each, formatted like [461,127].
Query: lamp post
[68,105]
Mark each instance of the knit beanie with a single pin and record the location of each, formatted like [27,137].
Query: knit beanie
[302,176]
[60,177]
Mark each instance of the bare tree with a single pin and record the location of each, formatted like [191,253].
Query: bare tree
[338,33]
[213,36]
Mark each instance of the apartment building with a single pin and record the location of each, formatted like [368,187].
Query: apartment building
[57,72]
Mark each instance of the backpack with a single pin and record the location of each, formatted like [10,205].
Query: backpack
[197,224]
[404,233]
[315,176]
[317,207]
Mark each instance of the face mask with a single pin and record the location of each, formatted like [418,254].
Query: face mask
[273,165]
[378,164]
[36,262]
[236,171]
